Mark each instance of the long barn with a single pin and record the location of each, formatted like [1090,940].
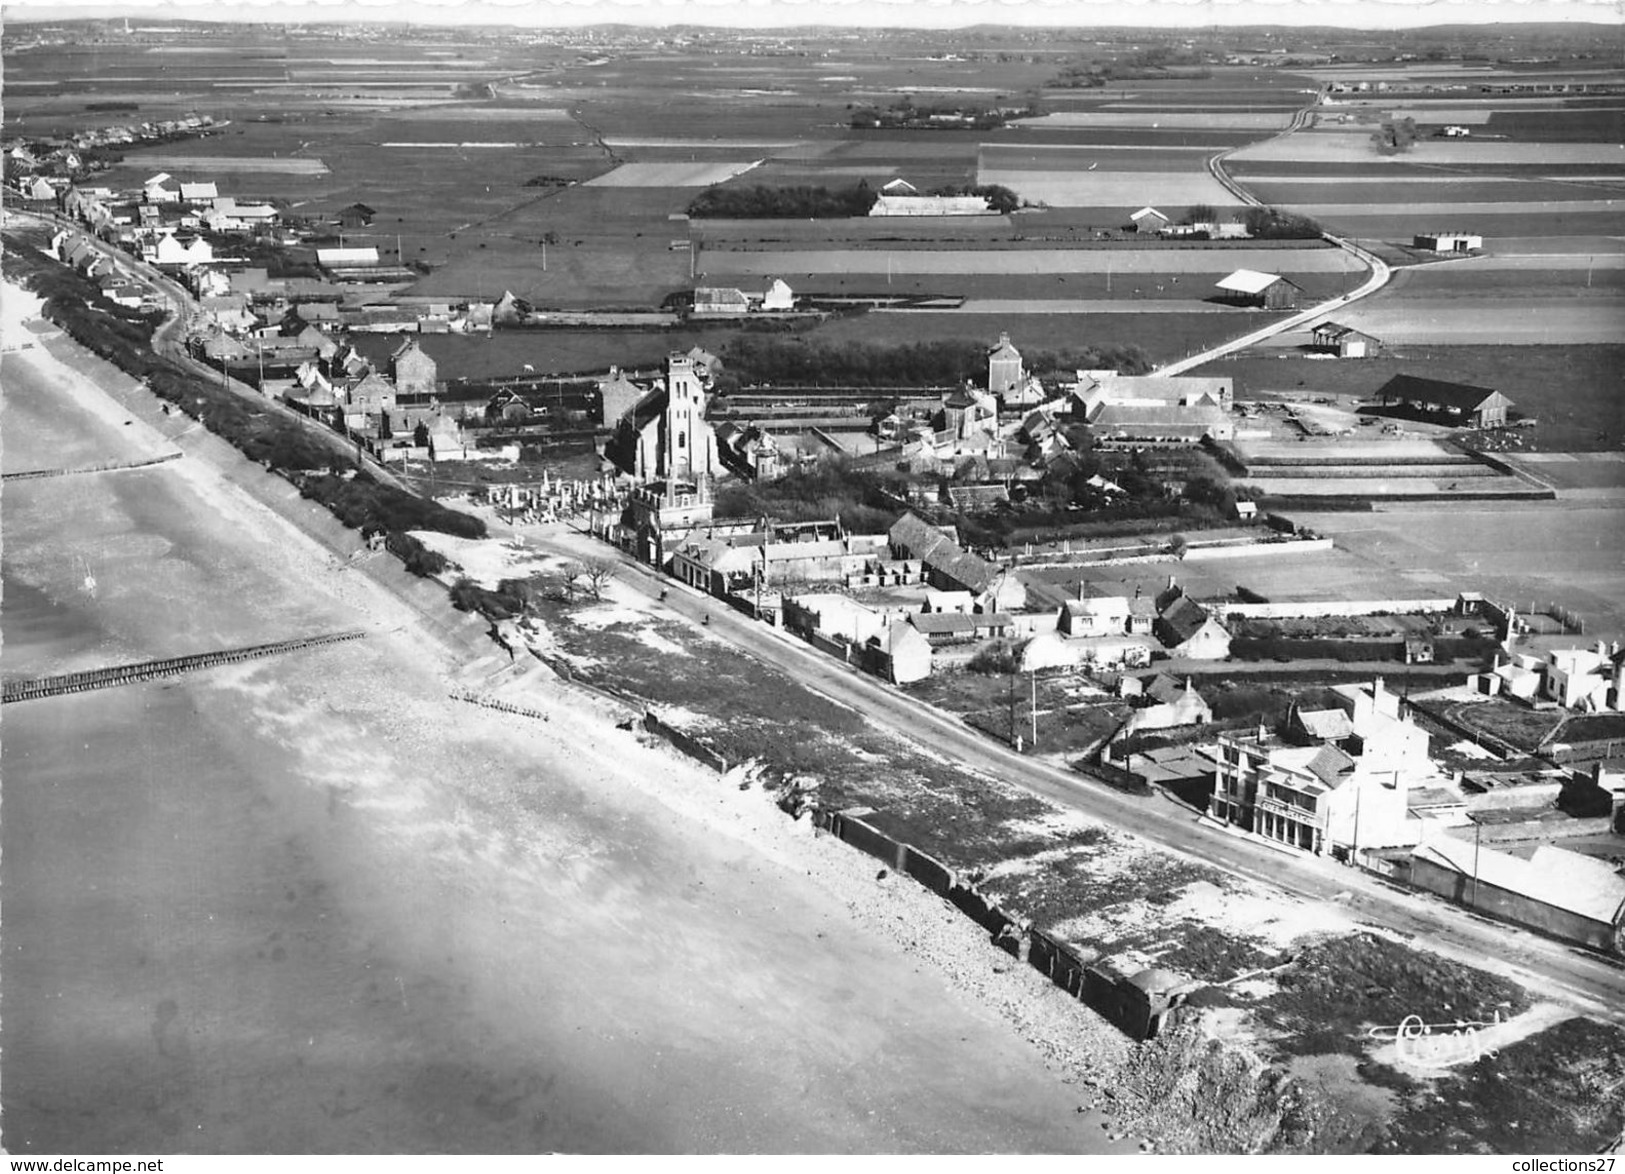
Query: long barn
[1459,403]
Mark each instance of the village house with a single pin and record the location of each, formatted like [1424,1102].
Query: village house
[412,370]
[1335,781]
[778,296]
[1186,628]
[1172,706]
[1459,404]
[1099,616]
[1344,341]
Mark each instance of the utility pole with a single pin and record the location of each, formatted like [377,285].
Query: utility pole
[1035,707]
[1477,829]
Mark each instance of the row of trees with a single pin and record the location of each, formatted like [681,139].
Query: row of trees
[765,202]
[1274,224]
[768,202]
[779,359]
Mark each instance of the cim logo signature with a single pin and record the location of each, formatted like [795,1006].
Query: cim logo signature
[1438,1045]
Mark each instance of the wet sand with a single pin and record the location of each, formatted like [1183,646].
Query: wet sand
[309,904]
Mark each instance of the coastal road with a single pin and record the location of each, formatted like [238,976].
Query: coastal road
[1380,272]
[1586,981]
[170,340]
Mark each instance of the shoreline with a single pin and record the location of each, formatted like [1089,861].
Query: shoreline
[1048,1026]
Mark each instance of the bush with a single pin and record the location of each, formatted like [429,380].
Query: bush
[996,658]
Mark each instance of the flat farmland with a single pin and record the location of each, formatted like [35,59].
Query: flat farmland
[1109,189]
[1399,225]
[1576,392]
[1560,126]
[982,262]
[1354,146]
[1487,320]
[506,352]
[1142,138]
[672,175]
[1470,192]
[1154,118]
[1058,157]
[1163,337]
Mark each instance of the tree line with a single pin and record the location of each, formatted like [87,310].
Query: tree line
[777,359]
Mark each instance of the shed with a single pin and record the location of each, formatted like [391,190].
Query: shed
[1448,242]
[1148,219]
[1345,341]
[1270,291]
[1454,403]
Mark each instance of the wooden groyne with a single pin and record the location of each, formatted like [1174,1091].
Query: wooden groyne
[102,468]
[129,674]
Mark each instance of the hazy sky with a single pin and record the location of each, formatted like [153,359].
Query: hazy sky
[925,13]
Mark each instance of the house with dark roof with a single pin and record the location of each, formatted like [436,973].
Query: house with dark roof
[1187,630]
[1461,404]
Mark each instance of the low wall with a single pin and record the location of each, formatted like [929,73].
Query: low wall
[1259,549]
[1113,996]
[1312,609]
[686,743]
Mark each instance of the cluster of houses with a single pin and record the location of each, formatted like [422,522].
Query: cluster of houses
[727,302]
[856,590]
[68,158]
[1590,680]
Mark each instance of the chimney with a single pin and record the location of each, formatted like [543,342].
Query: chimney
[1171,583]
[1602,648]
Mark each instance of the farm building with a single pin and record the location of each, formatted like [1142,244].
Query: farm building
[1003,366]
[355,216]
[347,258]
[1248,287]
[899,187]
[1344,341]
[1448,242]
[1165,422]
[1096,389]
[720,301]
[930,206]
[1148,219]
[1456,403]
[199,193]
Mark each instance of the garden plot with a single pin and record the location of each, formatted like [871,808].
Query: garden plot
[1163,119]
[671,175]
[1109,189]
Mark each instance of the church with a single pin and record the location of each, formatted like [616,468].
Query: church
[665,436]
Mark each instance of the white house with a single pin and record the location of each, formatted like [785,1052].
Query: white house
[199,193]
[778,296]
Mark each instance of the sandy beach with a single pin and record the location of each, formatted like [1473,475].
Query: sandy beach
[315,904]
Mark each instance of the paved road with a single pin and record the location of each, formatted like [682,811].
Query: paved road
[1380,272]
[1585,981]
